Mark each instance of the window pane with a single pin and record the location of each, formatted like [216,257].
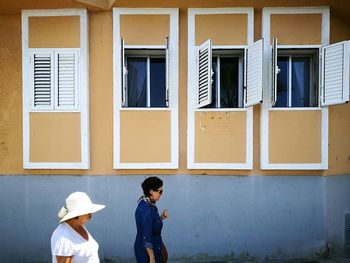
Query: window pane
[282,82]
[301,82]
[137,81]
[229,82]
[213,84]
[158,82]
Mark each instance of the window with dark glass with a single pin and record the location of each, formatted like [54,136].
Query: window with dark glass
[297,80]
[227,81]
[146,81]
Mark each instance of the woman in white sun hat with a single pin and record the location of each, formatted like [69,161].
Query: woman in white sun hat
[71,242]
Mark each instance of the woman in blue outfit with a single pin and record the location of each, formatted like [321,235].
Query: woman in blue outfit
[148,244]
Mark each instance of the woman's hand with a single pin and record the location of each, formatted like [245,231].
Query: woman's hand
[164,214]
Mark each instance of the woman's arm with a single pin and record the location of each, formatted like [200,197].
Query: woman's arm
[146,232]
[64,259]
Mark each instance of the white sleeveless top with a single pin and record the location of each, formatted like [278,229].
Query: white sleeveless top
[65,241]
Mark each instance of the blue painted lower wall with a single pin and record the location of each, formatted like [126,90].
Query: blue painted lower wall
[276,216]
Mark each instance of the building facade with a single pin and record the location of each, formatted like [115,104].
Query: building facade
[239,106]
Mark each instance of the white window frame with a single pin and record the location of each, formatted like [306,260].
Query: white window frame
[192,89]
[267,94]
[82,95]
[171,78]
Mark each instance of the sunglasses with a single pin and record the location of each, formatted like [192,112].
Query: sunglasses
[159,191]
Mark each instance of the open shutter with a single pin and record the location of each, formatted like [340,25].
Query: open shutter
[42,80]
[204,74]
[275,71]
[254,64]
[124,72]
[67,80]
[335,79]
[167,71]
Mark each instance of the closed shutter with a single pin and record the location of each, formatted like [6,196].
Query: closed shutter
[335,84]
[204,74]
[254,61]
[42,80]
[275,71]
[167,70]
[67,70]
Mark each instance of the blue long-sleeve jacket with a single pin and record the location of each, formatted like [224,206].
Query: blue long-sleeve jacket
[149,226]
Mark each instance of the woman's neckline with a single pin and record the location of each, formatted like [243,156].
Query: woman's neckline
[76,232]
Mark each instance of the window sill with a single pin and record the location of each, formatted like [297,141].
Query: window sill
[296,109]
[220,110]
[54,111]
[144,109]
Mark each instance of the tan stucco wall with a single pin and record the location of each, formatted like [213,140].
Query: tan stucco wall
[145,137]
[10,95]
[154,28]
[54,32]
[101,88]
[220,137]
[54,137]
[296,29]
[222,29]
[101,93]
[295,136]
[339,140]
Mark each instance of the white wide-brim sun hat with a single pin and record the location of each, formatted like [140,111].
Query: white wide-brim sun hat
[77,204]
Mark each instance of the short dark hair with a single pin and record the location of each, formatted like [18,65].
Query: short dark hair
[151,183]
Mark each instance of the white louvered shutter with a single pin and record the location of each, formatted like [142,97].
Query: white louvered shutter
[42,80]
[67,80]
[167,71]
[254,63]
[275,71]
[124,72]
[335,79]
[204,74]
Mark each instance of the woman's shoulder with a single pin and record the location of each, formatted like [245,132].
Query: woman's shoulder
[63,241]
[62,231]
[144,205]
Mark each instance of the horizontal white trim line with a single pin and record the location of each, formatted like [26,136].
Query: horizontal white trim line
[55,111]
[55,165]
[144,109]
[54,12]
[220,109]
[296,109]
[298,46]
[220,166]
[296,10]
[144,46]
[144,11]
[140,166]
[228,10]
[295,166]
[229,47]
